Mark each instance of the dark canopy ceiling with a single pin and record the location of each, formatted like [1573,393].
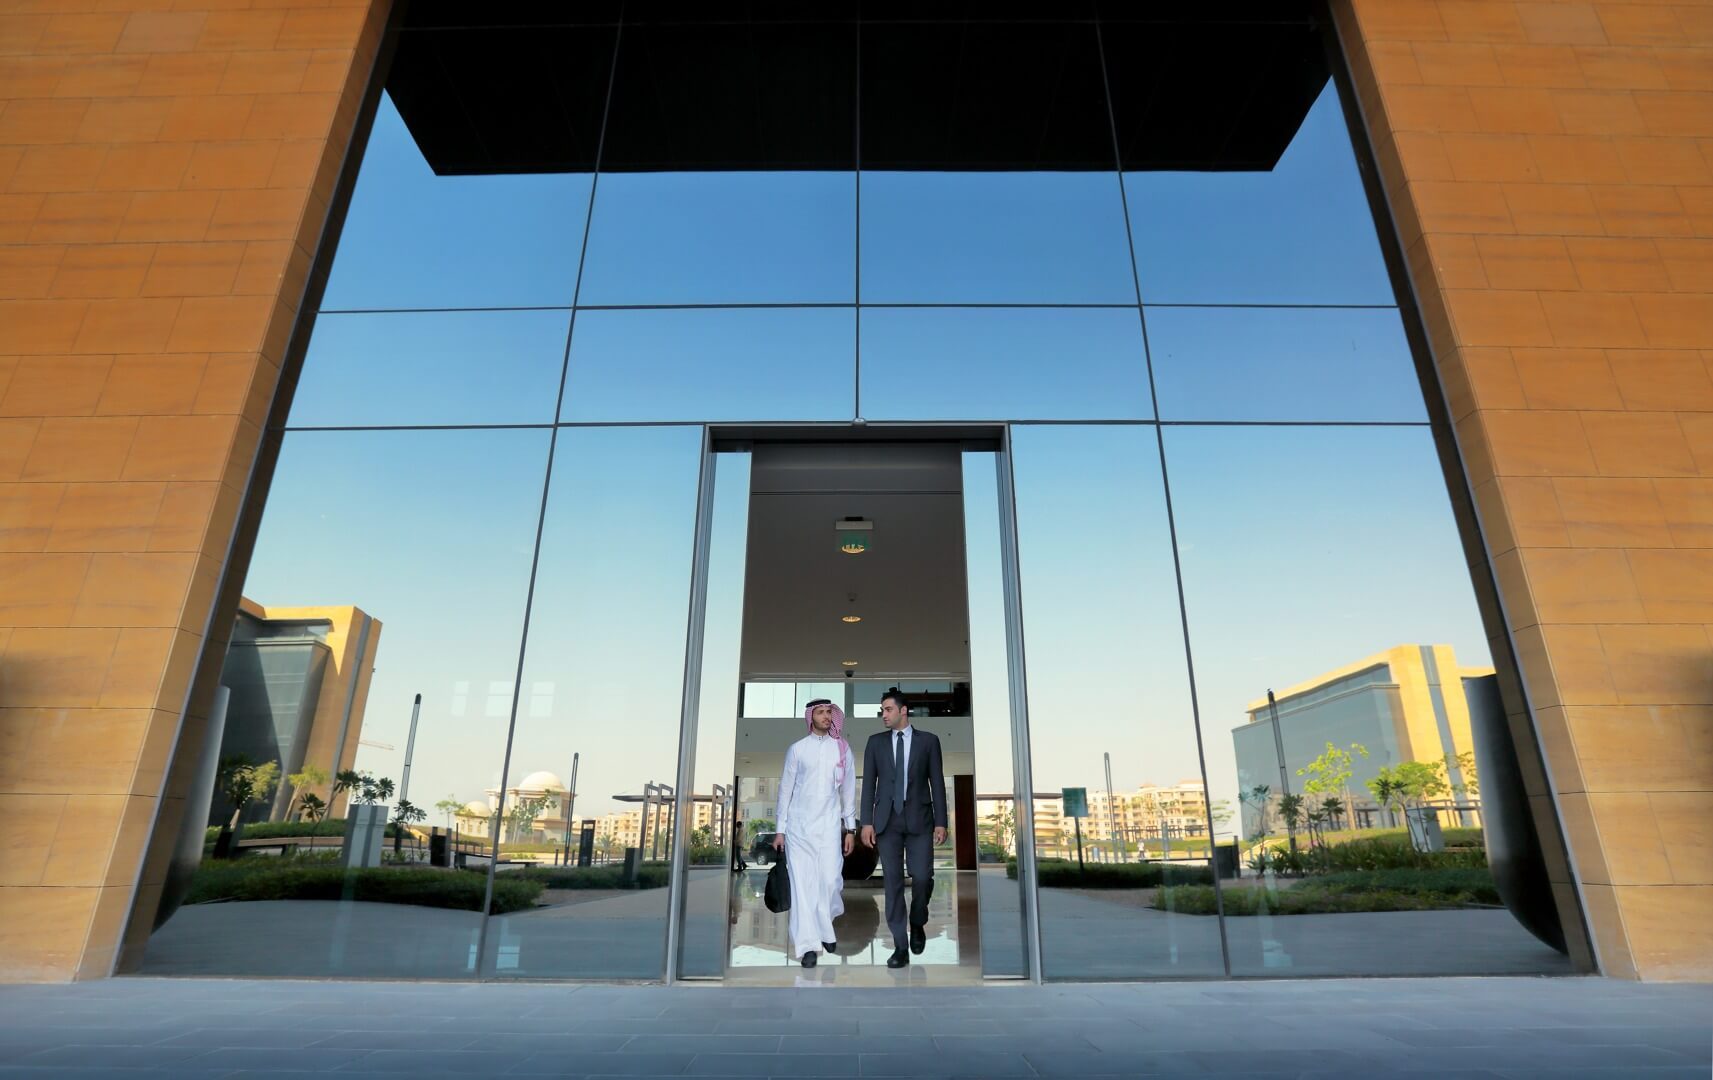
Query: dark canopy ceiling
[758,85]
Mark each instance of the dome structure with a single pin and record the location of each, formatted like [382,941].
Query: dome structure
[477,809]
[541,781]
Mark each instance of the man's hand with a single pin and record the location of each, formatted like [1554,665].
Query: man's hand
[939,835]
[868,836]
[779,841]
[850,842]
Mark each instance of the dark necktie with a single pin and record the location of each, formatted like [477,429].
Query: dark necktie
[898,772]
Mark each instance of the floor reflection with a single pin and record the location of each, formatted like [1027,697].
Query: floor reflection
[759,948]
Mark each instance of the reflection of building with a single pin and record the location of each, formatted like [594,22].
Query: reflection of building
[476,819]
[1148,813]
[535,810]
[1404,704]
[758,798]
[299,682]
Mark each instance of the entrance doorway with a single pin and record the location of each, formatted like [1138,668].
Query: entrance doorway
[839,571]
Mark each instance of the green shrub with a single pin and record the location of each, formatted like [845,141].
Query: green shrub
[321,878]
[1386,851]
[1464,885]
[649,876]
[1399,889]
[278,830]
[1063,873]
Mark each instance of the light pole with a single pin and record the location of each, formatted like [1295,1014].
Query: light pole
[1284,773]
[1111,807]
[571,798]
[409,749]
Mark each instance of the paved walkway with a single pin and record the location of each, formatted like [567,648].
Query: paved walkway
[1446,1029]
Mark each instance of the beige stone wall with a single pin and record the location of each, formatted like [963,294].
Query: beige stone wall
[164,181]
[1550,170]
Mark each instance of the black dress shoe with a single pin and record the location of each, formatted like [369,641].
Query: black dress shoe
[898,959]
[918,939]
[809,959]
[832,947]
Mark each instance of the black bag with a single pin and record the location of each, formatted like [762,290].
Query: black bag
[777,895]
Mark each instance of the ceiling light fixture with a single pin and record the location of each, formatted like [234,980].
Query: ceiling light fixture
[849,663]
[851,618]
[855,535]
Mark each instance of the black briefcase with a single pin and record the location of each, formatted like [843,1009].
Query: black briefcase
[777,895]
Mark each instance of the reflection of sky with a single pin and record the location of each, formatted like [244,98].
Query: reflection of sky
[1300,234]
[1302,549]
[431,533]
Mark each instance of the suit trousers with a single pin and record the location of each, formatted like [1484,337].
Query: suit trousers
[895,845]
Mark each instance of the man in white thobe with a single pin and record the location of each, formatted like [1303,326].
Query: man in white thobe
[817,828]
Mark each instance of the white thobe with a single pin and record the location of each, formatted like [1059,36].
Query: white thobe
[813,805]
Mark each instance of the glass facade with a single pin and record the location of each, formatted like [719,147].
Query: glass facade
[1201,503]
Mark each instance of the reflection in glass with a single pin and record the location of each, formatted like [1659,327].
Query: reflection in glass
[603,672]
[1282,364]
[441,367]
[389,565]
[1014,237]
[1300,233]
[722,238]
[1323,564]
[719,837]
[1000,908]
[721,364]
[1006,363]
[414,239]
[1109,698]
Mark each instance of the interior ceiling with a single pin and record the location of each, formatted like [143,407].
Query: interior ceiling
[909,586]
[949,86]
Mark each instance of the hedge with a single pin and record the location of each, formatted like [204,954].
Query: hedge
[649,876]
[276,830]
[1062,873]
[1381,890]
[304,879]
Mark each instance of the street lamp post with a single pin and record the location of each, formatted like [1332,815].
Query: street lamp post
[1284,772]
[1112,808]
[409,749]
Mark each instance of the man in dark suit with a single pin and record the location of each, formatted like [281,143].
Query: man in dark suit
[904,814]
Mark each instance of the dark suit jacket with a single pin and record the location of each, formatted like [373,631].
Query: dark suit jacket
[925,794]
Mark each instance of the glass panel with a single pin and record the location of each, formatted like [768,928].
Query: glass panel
[414,238]
[1323,564]
[350,613]
[1012,363]
[728,171]
[1109,696]
[603,670]
[951,112]
[726,364]
[1299,232]
[722,238]
[1000,892]
[972,237]
[1282,364]
[462,367]
[718,835]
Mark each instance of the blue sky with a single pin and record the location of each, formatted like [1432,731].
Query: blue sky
[1301,548]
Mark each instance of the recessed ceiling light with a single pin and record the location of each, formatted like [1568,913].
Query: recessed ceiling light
[849,663]
[856,535]
[851,618]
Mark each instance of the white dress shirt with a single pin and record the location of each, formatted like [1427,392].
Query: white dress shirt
[908,732]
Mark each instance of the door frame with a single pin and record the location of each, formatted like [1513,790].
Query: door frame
[727,438]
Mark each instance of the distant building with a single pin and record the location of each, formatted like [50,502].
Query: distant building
[1404,704]
[299,681]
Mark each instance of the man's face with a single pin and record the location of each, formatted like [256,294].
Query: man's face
[890,714]
[821,719]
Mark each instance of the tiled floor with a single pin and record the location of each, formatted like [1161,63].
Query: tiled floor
[1446,1029]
